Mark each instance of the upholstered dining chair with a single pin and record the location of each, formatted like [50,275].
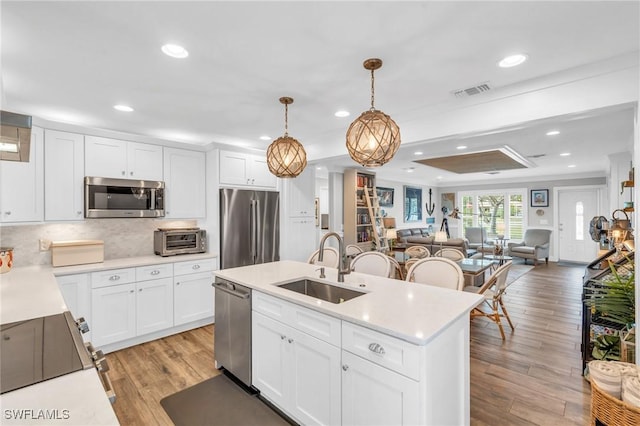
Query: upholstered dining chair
[417,251]
[450,253]
[373,263]
[492,291]
[437,271]
[331,257]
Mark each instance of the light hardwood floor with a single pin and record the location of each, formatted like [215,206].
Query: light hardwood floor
[533,377]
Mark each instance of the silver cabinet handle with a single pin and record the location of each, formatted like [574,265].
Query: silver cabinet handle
[130,291]
[345,367]
[79,212]
[155,272]
[123,173]
[282,337]
[177,283]
[131,173]
[8,213]
[195,267]
[139,289]
[290,340]
[114,277]
[376,348]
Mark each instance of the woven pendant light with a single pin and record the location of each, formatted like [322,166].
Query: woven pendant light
[373,138]
[286,156]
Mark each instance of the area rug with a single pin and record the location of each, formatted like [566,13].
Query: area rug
[218,401]
[516,271]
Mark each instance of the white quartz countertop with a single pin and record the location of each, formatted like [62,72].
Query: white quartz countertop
[413,312]
[32,291]
[73,399]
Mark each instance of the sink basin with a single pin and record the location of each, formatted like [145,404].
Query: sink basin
[323,291]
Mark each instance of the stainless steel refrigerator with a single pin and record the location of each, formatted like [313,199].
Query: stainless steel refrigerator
[249,227]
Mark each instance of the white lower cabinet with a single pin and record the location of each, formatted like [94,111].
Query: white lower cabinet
[76,291]
[154,305]
[193,291]
[372,394]
[297,372]
[114,313]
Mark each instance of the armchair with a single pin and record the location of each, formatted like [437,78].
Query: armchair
[477,237]
[534,246]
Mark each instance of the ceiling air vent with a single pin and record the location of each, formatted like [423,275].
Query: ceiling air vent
[473,90]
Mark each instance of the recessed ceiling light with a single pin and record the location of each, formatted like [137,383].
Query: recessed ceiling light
[265,138]
[571,165]
[342,113]
[461,147]
[175,51]
[553,132]
[565,154]
[125,108]
[418,153]
[512,61]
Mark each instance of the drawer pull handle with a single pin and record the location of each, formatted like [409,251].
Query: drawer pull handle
[290,340]
[376,348]
[155,272]
[195,267]
[282,337]
[114,277]
[345,367]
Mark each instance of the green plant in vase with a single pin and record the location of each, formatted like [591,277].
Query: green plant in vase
[613,298]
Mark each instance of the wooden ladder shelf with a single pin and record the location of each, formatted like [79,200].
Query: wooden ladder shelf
[373,205]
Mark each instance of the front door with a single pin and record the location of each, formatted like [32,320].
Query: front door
[576,207]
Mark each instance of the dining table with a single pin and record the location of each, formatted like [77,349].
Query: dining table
[473,269]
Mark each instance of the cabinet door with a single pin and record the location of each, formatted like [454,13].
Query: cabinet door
[300,194]
[63,175]
[298,239]
[260,174]
[105,157]
[185,184]
[114,313]
[315,380]
[193,295]
[371,394]
[268,362]
[234,168]
[22,185]
[154,305]
[144,161]
[76,291]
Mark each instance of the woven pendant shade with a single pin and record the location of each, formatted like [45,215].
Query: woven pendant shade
[286,156]
[373,138]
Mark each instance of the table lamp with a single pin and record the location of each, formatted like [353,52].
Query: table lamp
[441,237]
[391,236]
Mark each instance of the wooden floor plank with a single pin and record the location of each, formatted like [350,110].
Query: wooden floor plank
[533,377]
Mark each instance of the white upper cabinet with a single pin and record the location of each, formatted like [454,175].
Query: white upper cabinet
[185,184]
[114,158]
[238,168]
[22,185]
[63,175]
[300,194]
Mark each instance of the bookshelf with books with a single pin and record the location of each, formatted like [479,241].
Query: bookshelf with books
[361,224]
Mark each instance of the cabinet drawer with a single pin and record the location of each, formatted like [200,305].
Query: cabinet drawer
[193,266]
[152,272]
[320,326]
[113,277]
[384,350]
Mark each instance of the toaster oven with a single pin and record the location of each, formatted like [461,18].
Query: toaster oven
[169,242]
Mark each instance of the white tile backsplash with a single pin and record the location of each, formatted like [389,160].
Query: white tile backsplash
[122,237]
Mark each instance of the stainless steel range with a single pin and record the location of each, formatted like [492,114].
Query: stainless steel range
[42,348]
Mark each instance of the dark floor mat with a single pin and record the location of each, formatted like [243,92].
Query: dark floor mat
[219,401]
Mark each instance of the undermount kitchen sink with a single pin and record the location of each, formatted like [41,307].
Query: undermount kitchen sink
[327,292]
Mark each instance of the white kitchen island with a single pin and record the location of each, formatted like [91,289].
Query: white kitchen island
[398,354]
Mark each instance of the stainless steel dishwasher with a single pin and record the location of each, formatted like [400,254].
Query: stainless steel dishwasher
[232,336]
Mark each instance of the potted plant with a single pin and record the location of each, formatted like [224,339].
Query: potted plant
[613,298]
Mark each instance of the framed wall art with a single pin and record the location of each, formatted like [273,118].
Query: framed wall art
[412,204]
[539,198]
[385,196]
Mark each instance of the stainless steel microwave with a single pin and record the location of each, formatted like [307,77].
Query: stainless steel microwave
[106,197]
[168,242]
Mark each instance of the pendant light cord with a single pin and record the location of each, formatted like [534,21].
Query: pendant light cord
[286,120]
[372,91]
